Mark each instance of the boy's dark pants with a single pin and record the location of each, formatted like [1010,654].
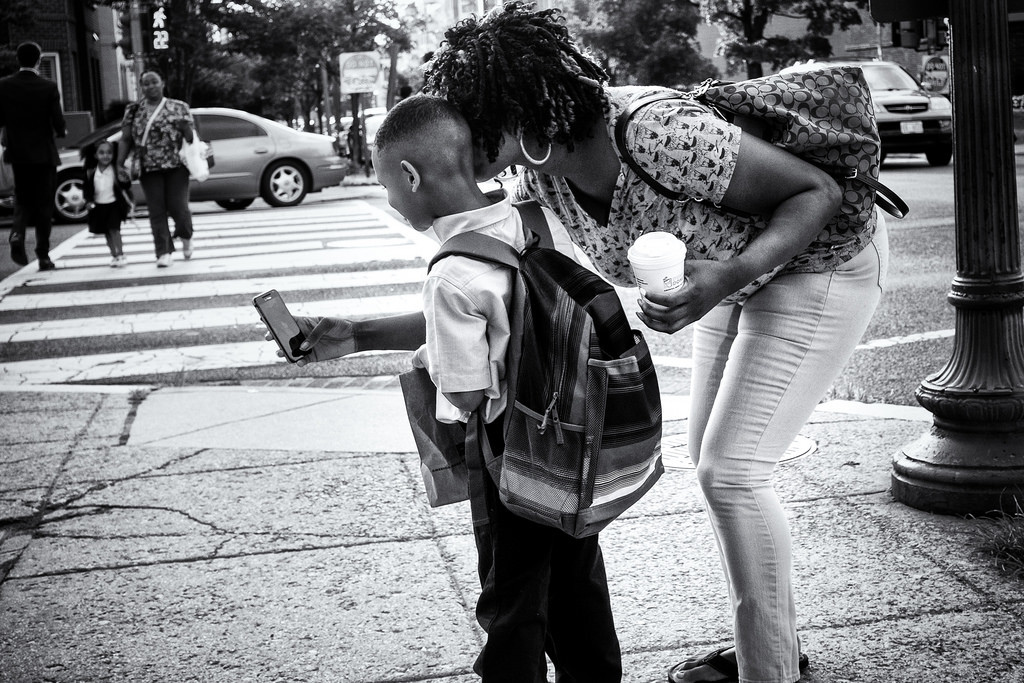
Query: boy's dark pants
[541,591]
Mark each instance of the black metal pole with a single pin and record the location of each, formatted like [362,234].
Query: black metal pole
[971,461]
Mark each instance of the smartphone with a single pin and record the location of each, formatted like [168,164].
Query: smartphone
[282,325]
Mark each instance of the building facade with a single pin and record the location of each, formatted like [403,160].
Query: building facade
[80,54]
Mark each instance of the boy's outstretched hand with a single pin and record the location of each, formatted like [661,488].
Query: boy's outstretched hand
[326,339]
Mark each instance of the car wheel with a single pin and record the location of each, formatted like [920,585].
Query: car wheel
[69,198]
[284,184]
[235,204]
[939,156]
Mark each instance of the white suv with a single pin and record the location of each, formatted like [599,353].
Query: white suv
[910,119]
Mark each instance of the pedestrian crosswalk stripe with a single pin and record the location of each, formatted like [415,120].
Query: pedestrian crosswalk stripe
[207,252]
[111,366]
[237,255]
[143,363]
[207,288]
[199,318]
[204,240]
[280,260]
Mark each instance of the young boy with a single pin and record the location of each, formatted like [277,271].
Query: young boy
[541,590]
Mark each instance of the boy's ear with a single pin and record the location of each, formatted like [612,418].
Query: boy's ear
[412,176]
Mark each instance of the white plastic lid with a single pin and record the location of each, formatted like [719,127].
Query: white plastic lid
[656,248]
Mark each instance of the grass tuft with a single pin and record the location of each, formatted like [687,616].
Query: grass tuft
[1002,538]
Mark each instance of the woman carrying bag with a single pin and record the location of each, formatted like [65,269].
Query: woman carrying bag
[153,131]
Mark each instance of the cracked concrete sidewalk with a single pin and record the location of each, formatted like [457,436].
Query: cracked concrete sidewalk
[281,534]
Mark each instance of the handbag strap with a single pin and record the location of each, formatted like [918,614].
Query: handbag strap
[149,123]
[622,122]
[885,197]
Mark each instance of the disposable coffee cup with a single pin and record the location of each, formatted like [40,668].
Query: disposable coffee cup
[658,262]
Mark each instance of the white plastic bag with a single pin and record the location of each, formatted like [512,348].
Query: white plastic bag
[193,155]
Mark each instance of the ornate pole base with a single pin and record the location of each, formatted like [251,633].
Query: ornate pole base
[972,459]
[954,472]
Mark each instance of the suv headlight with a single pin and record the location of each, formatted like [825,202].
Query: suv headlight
[940,104]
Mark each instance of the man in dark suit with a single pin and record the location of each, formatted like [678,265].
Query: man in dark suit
[30,111]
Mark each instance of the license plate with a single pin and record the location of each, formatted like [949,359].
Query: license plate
[909,127]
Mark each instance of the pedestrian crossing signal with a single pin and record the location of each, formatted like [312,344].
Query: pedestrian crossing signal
[155,27]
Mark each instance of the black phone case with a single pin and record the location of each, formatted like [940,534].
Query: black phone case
[291,354]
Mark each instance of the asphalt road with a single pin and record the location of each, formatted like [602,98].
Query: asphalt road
[910,337]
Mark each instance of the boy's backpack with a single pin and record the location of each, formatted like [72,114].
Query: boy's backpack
[824,116]
[582,425]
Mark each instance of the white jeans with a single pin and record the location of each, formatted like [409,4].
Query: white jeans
[759,371]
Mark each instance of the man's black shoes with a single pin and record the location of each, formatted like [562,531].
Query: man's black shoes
[19,256]
[18,249]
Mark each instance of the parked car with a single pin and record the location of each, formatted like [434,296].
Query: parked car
[372,125]
[253,157]
[911,120]
[371,118]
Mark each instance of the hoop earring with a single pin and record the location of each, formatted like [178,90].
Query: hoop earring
[535,162]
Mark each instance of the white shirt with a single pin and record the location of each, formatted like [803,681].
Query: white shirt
[103,183]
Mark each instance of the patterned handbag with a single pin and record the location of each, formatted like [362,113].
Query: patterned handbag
[825,117]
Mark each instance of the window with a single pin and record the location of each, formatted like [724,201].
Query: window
[219,127]
[49,67]
[881,78]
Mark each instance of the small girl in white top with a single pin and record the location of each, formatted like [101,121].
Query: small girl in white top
[108,201]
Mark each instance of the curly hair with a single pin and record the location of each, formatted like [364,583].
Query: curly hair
[518,69]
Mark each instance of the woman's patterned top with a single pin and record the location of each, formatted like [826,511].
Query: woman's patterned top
[164,139]
[689,149]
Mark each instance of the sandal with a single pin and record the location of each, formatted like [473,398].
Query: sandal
[715,660]
[722,665]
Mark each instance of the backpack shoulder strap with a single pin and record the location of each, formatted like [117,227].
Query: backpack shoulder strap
[535,224]
[486,248]
[480,247]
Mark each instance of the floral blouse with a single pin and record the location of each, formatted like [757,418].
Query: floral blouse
[687,149]
[164,140]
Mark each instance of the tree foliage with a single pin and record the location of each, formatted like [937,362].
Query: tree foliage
[21,13]
[265,56]
[290,43]
[191,25]
[743,23]
[649,42]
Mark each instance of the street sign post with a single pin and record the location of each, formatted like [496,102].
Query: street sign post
[359,72]
[935,70]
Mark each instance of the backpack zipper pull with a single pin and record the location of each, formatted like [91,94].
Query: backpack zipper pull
[551,412]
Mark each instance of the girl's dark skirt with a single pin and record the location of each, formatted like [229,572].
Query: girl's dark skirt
[104,218]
